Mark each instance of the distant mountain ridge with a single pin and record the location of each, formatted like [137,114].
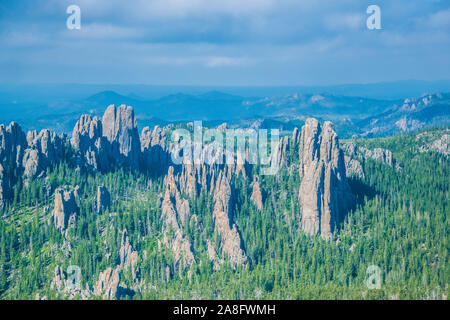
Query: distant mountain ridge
[352,115]
[413,114]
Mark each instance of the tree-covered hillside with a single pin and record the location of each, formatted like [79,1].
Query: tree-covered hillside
[400,223]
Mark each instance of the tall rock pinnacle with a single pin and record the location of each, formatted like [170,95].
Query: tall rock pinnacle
[324,191]
[120,129]
[223,220]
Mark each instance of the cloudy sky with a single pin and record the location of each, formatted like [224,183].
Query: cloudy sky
[223,42]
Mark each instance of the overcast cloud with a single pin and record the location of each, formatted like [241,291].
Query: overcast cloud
[223,42]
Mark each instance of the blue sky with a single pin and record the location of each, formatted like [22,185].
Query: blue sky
[223,42]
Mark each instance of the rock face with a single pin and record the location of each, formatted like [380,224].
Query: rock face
[65,208]
[33,152]
[120,129]
[88,141]
[107,285]
[440,144]
[60,283]
[380,155]
[353,168]
[13,143]
[223,221]
[324,191]
[355,153]
[174,209]
[103,198]
[4,187]
[256,196]
[155,155]
[128,257]
[112,142]
[44,150]
[429,110]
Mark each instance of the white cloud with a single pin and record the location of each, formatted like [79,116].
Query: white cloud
[214,62]
[345,21]
[440,19]
[104,31]
[24,39]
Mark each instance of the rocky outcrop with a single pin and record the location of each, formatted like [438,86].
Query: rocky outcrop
[380,155]
[287,145]
[13,143]
[119,127]
[4,187]
[281,154]
[114,141]
[256,196]
[44,150]
[223,222]
[33,152]
[440,145]
[353,168]
[174,209]
[89,143]
[128,256]
[212,256]
[155,155]
[107,284]
[60,283]
[65,208]
[324,192]
[103,198]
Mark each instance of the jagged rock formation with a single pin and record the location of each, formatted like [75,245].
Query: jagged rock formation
[114,141]
[223,222]
[355,153]
[256,196]
[212,256]
[101,145]
[324,191]
[155,155]
[286,145]
[4,187]
[128,256]
[103,198]
[88,141]
[31,154]
[173,209]
[440,144]
[44,149]
[13,143]
[60,283]
[65,208]
[379,154]
[107,285]
[353,168]
[120,129]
